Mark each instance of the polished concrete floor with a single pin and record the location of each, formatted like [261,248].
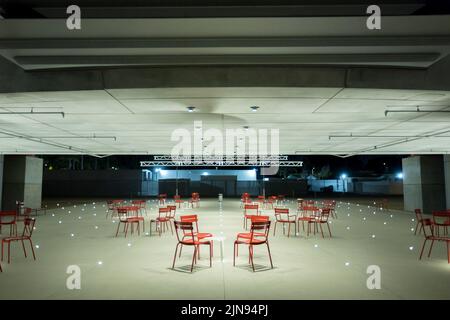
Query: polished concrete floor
[138,267]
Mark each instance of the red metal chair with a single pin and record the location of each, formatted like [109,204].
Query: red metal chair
[194,219]
[9,218]
[419,219]
[183,228]
[270,202]
[428,231]
[247,235]
[280,199]
[282,216]
[261,201]
[195,200]
[162,199]
[177,200]
[245,198]
[112,206]
[142,204]
[322,219]
[331,204]
[200,235]
[247,208]
[306,214]
[173,212]
[162,221]
[28,227]
[124,218]
[259,235]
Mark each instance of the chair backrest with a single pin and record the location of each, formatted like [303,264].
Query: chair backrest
[28,227]
[251,207]
[9,216]
[418,213]
[173,210]
[182,228]
[164,212]
[122,213]
[428,230]
[193,218]
[259,227]
[259,218]
[280,212]
[324,214]
[441,217]
[176,197]
[140,203]
[281,197]
[310,202]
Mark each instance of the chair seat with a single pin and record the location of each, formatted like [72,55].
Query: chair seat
[160,219]
[132,219]
[249,241]
[199,235]
[285,221]
[194,242]
[18,238]
[247,235]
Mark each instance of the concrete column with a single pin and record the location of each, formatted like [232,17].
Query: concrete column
[447,178]
[1,179]
[424,183]
[22,181]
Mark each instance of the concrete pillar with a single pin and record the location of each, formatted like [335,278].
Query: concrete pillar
[1,179]
[424,183]
[22,181]
[447,178]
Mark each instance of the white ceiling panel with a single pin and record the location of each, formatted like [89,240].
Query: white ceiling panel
[143,120]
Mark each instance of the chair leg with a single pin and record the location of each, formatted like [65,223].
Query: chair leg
[448,251]
[175,256]
[431,248]
[193,258]
[417,225]
[24,250]
[32,249]
[270,256]
[329,230]
[423,247]
[9,252]
[171,229]
[289,229]
[234,254]
[210,255]
[321,230]
[251,257]
[275,228]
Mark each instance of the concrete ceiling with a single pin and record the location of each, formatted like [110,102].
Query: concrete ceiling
[140,121]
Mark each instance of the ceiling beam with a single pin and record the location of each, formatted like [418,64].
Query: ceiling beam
[346,59]
[221,42]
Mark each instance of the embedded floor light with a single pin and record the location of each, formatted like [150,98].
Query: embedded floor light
[344,176]
[399,175]
[190,109]
[254,108]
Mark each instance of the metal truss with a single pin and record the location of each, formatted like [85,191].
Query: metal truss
[259,163]
[220,158]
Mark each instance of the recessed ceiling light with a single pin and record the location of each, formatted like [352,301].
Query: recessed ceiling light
[190,109]
[254,108]
[245,127]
